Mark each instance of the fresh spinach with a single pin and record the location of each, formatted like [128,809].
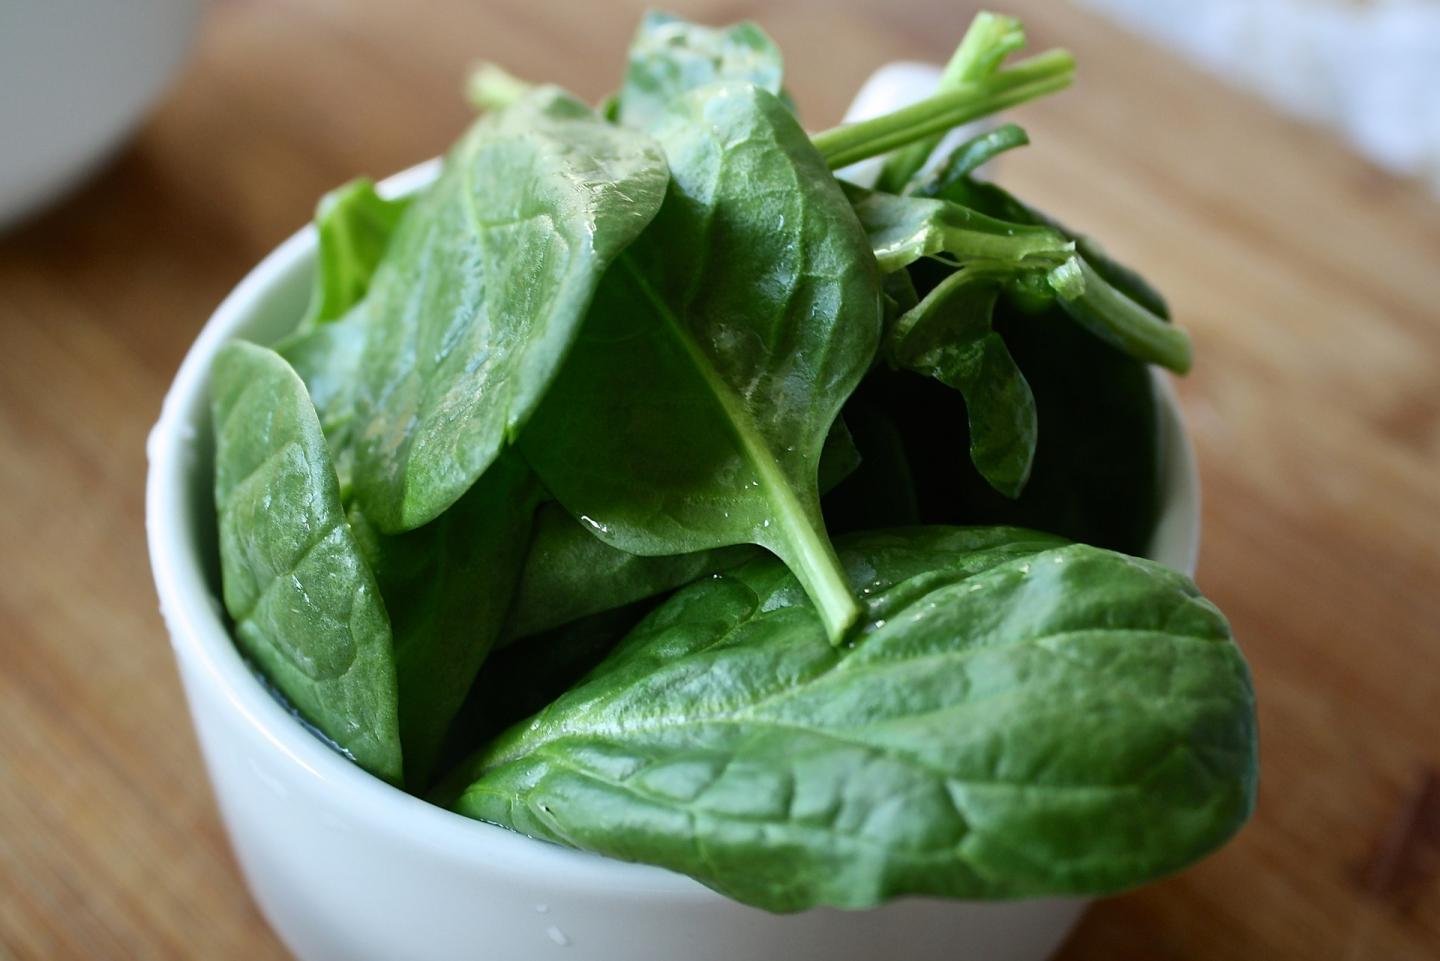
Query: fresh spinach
[949,336]
[607,356]
[1018,718]
[447,587]
[718,352]
[671,57]
[306,606]
[354,224]
[969,157]
[483,289]
[1096,472]
[569,573]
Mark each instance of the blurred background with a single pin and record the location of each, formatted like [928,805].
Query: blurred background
[1270,164]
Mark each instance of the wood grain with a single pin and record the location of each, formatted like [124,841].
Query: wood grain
[1310,281]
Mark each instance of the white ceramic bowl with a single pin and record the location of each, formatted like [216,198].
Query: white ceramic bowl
[76,76]
[347,868]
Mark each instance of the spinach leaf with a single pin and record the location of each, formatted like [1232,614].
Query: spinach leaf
[1096,473]
[519,680]
[327,358]
[948,336]
[354,224]
[481,294]
[904,229]
[1019,718]
[969,157]
[448,586]
[570,573]
[692,411]
[670,57]
[306,606]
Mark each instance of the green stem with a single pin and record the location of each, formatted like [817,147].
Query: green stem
[937,114]
[1106,312]
[990,39]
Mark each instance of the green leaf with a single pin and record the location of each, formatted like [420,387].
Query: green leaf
[482,292]
[448,586]
[355,225]
[904,229]
[1096,473]
[948,336]
[306,606]
[990,39]
[671,57]
[1019,718]
[327,358]
[970,156]
[692,412]
[570,573]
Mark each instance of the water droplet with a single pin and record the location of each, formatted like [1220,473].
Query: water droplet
[880,623]
[542,909]
[595,525]
[558,936]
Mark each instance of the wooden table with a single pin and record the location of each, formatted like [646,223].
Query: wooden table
[1310,281]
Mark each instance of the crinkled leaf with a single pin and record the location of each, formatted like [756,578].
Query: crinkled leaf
[671,57]
[1019,719]
[692,412]
[482,292]
[306,606]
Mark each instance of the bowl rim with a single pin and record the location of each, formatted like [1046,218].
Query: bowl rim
[195,622]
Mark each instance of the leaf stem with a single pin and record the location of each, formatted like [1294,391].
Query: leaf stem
[1035,77]
[1105,311]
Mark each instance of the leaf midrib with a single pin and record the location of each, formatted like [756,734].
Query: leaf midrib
[791,514]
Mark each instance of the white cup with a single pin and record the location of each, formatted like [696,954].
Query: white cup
[347,868]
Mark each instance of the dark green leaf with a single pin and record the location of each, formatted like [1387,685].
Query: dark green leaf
[692,412]
[482,292]
[448,586]
[1096,473]
[1019,719]
[570,573]
[970,156]
[948,336]
[306,606]
[670,57]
